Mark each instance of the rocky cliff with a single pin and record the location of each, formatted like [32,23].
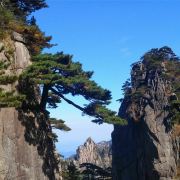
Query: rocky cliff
[98,154]
[26,151]
[147,149]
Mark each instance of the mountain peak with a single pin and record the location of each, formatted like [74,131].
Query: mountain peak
[89,141]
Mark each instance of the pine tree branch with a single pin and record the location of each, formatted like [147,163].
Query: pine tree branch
[67,100]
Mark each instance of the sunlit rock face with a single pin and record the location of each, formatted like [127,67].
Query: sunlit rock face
[98,154]
[145,149]
[24,154]
[21,55]
[18,159]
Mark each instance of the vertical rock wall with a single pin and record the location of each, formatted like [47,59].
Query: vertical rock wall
[18,159]
[26,152]
[143,150]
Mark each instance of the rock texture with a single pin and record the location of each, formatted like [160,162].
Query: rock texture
[144,149]
[98,154]
[18,159]
[26,152]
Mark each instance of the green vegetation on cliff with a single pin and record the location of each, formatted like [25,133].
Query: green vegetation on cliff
[14,16]
[166,64]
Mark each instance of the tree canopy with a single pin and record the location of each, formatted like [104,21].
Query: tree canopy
[58,75]
[23,7]
[92,171]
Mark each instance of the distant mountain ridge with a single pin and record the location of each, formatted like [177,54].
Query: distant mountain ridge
[99,154]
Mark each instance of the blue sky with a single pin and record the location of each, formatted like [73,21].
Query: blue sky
[106,36]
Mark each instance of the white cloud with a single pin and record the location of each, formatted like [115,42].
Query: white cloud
[125,39]
[125,51]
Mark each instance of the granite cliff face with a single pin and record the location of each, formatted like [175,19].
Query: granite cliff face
[98,154]
[145,149]
[26,152]
[19,160]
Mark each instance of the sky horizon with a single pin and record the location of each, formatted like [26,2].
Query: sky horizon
[106,37]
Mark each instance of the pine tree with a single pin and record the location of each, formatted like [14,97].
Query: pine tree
[72,172]
[58,75]
[92,171]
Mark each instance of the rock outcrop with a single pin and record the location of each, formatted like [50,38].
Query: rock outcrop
[98,154]
[145,148]
[26,153]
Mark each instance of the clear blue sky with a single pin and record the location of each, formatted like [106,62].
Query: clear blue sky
[106,36]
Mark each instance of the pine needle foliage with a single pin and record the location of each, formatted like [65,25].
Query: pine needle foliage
[7,79]
[59,124]
[10,99]
[23,8]
[58,76]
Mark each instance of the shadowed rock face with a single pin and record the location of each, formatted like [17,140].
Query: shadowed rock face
[144,149]
[26,151]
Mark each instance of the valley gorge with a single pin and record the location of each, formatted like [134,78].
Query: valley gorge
[147,148]
[145,141]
